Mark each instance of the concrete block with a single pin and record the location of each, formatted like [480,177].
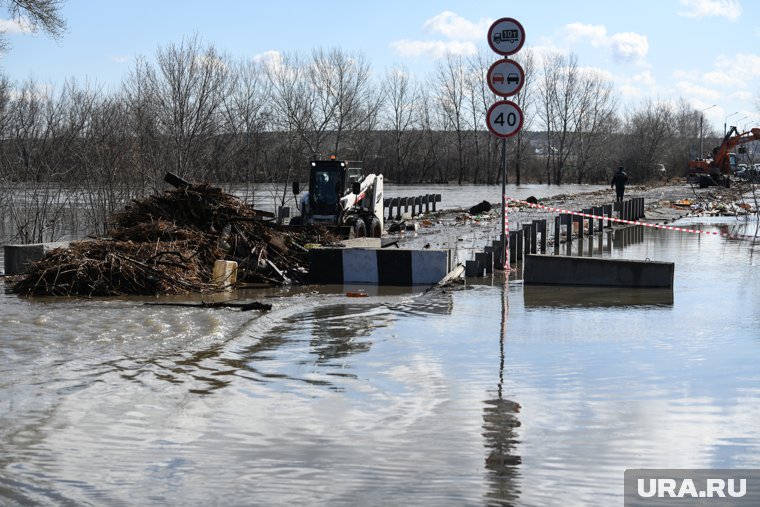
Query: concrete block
[400,267]
[17,256]
[471,269]
[225,273]
[561,270]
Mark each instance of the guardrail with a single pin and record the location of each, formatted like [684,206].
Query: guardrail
[416,203]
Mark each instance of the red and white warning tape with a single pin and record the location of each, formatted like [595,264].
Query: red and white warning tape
[630,222]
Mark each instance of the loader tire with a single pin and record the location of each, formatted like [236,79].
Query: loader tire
[374,231]
[360,229]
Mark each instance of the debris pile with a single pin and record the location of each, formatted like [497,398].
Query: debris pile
[167,244]
[711,205]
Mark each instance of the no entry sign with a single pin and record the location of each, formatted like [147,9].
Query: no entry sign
[504,119]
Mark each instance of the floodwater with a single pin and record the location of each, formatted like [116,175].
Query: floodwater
[492,394]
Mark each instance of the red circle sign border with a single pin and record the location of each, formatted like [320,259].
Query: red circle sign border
[490,38]
[522,77]
[494,106]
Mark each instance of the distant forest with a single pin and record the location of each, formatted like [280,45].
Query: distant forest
[207,117]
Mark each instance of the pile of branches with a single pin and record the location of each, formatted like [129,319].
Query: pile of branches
[167,244]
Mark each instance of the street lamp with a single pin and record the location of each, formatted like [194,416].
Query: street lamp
[725,120]
[701,134]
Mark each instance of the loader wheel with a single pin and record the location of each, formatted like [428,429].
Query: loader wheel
[360,229]
[375,231]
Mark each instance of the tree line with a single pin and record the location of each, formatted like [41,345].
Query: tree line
[196,111]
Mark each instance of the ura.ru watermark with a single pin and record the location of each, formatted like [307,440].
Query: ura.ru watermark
[708,487]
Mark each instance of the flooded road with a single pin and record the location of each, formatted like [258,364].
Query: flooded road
[482,396]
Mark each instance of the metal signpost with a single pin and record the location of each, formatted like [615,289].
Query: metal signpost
[505,118]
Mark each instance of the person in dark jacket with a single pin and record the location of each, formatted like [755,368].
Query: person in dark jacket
[619,181]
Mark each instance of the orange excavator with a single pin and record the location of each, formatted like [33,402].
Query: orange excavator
[718,169]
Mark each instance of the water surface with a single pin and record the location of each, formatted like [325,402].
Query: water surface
[481,396]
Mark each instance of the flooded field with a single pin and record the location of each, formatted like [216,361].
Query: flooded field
[490,395]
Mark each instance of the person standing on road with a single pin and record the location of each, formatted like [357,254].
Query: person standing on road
[619,181]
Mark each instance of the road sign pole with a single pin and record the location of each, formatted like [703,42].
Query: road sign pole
[504,236]
[504,118]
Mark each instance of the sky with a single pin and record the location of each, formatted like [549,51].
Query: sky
[704,51]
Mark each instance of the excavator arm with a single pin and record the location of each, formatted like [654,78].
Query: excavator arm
[721,159]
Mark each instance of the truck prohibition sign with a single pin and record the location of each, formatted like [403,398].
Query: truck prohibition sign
[506,36]
[504,118]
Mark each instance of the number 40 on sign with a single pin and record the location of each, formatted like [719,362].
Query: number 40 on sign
[504,118]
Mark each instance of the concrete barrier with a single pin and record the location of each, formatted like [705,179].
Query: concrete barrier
[378,266]
[17,256]
[561,270]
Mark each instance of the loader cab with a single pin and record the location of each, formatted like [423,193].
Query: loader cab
[327,184]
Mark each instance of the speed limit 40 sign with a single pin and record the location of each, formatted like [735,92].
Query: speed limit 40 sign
[504,118]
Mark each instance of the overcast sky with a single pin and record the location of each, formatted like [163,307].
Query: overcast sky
[706,51]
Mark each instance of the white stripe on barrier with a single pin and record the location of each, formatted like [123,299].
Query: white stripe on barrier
[621,220]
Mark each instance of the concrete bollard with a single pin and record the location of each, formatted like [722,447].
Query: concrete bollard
[579,221]
[488,259]
[471,268]
[498,255]
[587,211]
[519,245]
[607,212]
[512,246]
[225,273]
[480,258]
[527,238]
[568,221]
[540,226]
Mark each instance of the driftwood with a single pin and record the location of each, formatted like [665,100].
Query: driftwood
[167,244]
[244,307]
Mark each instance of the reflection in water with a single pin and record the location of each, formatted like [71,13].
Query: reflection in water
[555,296]
[322,336]
[499,432]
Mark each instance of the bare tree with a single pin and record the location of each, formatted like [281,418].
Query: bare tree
[188,89]
[400,117]
[476,88]
[346,80]
[559,95]
[450,74]
[526,101]
[42,15]
[247,116]
[595,124]
[649,131]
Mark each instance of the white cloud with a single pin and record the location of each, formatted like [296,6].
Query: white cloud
[745,96]
[689,89]
[743,65]
[626,47]
[630,91]
[629,46]
[459,31]
[645,78]
[271,59]
[575,32]
[120,59]
[16,26]
[730,9]
[435,49]
[596,71]
[455,27]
